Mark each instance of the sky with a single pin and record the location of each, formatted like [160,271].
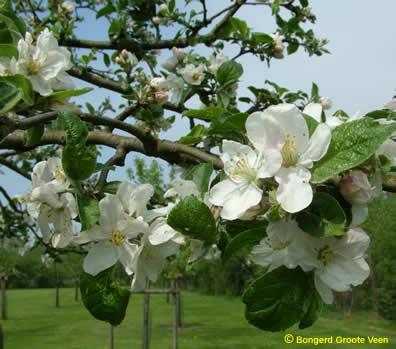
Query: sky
[358,75]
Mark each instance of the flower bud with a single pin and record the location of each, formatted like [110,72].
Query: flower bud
[159,84]
[356,188]
[68,6]
[118,60]
[161,97]
[163,9]
[279,47]
[124,54]
[326,102]
[156,20]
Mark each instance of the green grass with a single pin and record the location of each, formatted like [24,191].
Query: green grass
[212,323]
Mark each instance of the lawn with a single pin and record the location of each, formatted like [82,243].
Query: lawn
[212,322]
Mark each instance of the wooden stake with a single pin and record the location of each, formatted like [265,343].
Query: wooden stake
[76,289]
[146,321]
[4,312]
[1,338]
[175,316]
[57,298]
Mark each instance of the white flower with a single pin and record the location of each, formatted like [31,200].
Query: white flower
[199,250]
[50,204]
[279,47]
[112,236]
[358,191]
[176,88]
[281,134]
[182,188]
[159,84]
[7,66]
[342,263]
[68,6]
[177,57]
[192,74]
[156,20]
[127,57]
[286,244]
[215,61]
[44,64]
[244,167]
[388,148]
[156,245]
[135,198]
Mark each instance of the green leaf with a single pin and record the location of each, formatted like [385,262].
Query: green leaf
[229,72]
[279,299]
[262,38]
[352,143]
[13,89]
[88,210]
[8,50]
[103,297]
[195,136]
[324,217]
[382,114]
[193,218]
[315,92]
[207,114]
[62,95]
[200,175]
[231,126]
[292,47]
[34,135]
[311,123]
[111,187]
[107,10]
[8,17]
[315,306]
[78,158]
[243,243]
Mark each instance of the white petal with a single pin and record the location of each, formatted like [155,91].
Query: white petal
[317,146]
[234,151]
[110,211]
[324,291]
[160,232]
[353,245]
[132,227]
[240,200]
[124,193]
[264,131]
[294,192]
[314,110]
[262,254]
[270,163]
[221,191]
[127,252]
[101,256]
[359,215]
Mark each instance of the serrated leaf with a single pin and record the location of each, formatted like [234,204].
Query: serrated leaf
[278,299]
[324,217]
[352,143]
[88,210]
[103,297]
[230,126]
[207,114]
[195,136]
[200,175]
[193,218]
[13,89]
[314,307]
[61,95]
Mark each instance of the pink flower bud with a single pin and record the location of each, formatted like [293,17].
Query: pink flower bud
[161,97]
[356,188]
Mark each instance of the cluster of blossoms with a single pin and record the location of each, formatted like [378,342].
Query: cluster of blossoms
[280,156]
[181,71]
[44,63]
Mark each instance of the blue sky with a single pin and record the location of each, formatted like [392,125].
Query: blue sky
[358,75]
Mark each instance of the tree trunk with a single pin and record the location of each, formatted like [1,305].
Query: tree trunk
[177,300]
[111,337]
[3,286]
[175,321]
[76,289]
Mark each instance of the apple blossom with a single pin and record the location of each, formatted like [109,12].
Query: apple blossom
[135,198]
[279,46]
[244,167]
[286,244]
[68,6]
[156,20]
[44,64]
[281,134]
[182,188]
[177,56]
[389,150]
[112,237]
[216,60]
[193,75]
[159,83]
[176,88]
[341,263]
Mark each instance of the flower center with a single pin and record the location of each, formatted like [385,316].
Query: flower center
[59,174]
[289,151]
[326,255]
[117,238]
[196,76]
[32,67]
[243,171]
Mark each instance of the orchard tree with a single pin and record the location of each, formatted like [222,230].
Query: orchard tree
[270,176]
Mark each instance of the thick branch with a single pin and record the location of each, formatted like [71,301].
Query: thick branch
[171,152]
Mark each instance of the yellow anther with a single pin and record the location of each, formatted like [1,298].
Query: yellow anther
[326,255]
[117,238]
[289,152]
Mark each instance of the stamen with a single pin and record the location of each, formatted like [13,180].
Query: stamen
[326,255]
[289,151]
[117,238]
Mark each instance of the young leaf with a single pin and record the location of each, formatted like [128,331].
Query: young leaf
[34,135]
[229,72]
[103,297]
[352,143]
[324,217]
[193,218]
[207,114]
[88,209]
[200,175]
[243,243]
[279,299]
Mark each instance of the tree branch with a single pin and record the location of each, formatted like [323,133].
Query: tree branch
[13,167]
